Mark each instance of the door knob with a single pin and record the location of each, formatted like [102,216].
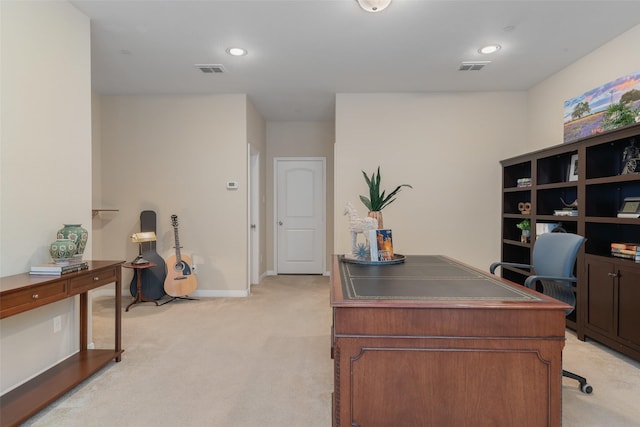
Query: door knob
[279,222]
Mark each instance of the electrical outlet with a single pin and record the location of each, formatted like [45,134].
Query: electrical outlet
[57,324]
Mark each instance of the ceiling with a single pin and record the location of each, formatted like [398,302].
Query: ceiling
[302,52]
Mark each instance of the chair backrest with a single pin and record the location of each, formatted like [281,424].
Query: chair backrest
[554,254]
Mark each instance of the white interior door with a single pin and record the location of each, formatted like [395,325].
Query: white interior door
[300,215]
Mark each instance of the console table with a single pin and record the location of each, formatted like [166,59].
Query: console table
[434,342]
[24,292]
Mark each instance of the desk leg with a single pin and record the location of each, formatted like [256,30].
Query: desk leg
[84,318]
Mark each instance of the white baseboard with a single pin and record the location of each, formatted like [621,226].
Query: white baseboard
[273,273]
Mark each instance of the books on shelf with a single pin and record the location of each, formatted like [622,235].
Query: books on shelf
[381,245]
[635,258]
[626,250]
[52,269]
[627,246]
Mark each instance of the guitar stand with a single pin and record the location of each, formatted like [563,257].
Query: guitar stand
[175,298]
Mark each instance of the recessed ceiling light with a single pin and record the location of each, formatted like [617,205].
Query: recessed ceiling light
[492,48]
[374,5]
[236,51]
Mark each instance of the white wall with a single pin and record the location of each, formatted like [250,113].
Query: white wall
[545,101]
[174,155]
[299,139]
[46,166]
[448,147]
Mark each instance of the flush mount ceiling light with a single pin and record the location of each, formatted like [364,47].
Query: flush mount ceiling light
[374,5]
[491,48]
[236,51]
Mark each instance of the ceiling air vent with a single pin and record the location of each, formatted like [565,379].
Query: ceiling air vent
[211,68]
[473,65]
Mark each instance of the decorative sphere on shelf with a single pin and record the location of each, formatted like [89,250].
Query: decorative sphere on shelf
[62,250]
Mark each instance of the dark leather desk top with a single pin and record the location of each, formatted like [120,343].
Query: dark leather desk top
[426,277]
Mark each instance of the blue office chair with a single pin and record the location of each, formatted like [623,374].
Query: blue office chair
[554,256]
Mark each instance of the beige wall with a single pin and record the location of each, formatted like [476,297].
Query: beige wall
[99,221]
[299,139]
[45,166]
[174,155]
[448,147]
[545,102]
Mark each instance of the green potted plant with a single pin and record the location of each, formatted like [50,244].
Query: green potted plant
[525,226]
[378,200]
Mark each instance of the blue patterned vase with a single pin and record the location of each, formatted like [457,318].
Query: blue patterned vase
[78,235]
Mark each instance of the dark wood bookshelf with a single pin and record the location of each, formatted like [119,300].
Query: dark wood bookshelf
[607,291]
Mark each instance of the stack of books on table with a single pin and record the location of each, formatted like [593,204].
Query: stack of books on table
[629,251]
[52,269]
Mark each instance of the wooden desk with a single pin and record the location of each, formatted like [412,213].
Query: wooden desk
[432,342]
[24,292]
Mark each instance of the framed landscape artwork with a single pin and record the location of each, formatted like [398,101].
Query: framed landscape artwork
[610,106]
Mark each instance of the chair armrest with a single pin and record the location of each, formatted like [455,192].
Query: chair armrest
[493,266]
[533,279]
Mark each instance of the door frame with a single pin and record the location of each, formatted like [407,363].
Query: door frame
[275,207]
[253,223]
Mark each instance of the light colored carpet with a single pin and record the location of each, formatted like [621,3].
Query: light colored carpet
[265,361]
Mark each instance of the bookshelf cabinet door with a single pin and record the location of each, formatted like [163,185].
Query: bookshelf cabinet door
[600,296]
[628,299]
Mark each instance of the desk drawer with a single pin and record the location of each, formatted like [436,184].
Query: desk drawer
[32,297]
[92,280]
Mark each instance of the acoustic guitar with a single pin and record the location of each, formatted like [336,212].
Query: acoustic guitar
[180,279]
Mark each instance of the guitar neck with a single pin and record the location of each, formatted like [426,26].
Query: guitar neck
[175,235]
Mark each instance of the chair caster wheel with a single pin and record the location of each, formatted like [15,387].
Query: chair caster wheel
[586,388]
